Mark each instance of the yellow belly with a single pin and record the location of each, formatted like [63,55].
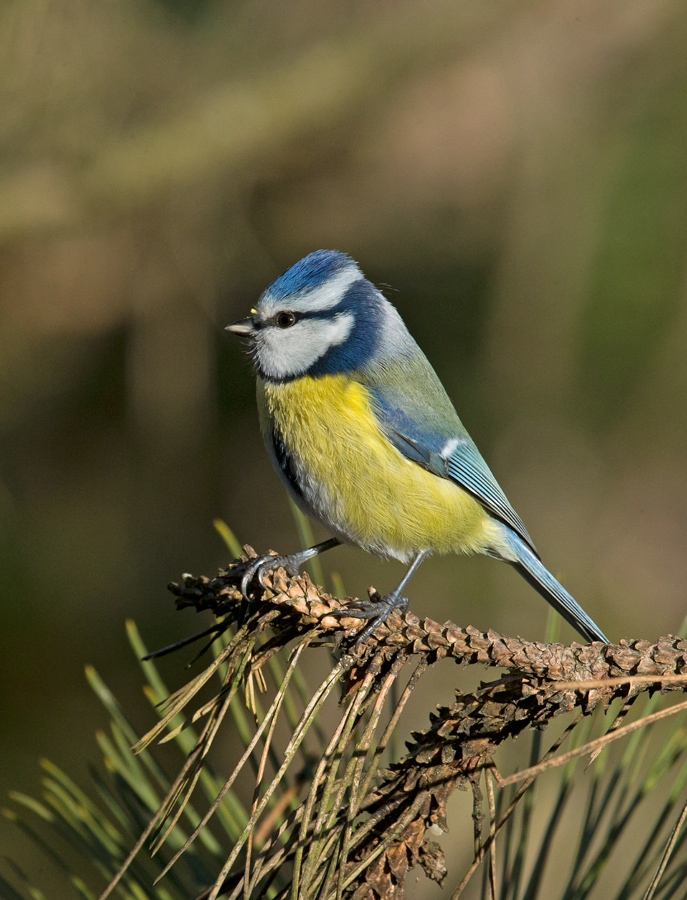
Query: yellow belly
[357,483]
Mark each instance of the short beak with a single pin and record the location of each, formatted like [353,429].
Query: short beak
[243,326]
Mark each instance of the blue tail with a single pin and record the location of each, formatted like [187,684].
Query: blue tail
[530,567]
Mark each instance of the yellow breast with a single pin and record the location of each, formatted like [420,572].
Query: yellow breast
[355,480]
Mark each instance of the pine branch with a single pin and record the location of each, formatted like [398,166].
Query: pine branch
[359,832]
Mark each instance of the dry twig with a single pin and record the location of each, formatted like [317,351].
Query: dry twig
[358,830]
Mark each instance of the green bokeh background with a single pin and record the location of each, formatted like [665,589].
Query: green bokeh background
[514,174]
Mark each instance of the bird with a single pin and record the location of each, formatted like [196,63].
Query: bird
[367,442]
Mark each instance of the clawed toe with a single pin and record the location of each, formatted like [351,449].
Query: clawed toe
[262,571]
[361,609]
[249,574]
[376,610]
[262,566]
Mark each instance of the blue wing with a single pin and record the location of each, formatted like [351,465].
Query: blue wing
[448,452]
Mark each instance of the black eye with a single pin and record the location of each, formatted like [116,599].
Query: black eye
[286,319]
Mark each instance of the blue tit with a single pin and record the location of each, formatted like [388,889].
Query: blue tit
[366,440]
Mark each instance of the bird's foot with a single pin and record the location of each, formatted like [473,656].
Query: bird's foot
[378,611]
[261,565]
[270,562]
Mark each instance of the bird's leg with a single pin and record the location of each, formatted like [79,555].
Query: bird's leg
[264,564]
[379,611]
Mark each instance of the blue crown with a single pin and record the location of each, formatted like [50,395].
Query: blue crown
[308,273]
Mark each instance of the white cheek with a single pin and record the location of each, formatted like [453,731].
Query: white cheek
[291,351]
[335,331]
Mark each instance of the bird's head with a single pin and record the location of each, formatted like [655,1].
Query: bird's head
[322,316]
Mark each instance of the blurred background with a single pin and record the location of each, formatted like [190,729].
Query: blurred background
[514,176]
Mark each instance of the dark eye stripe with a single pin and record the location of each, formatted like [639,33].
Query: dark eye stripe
[298,315]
